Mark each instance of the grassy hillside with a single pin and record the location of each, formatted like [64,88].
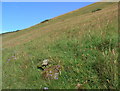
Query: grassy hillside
[83,43]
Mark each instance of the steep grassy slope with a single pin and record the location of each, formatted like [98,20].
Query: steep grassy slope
[83,43]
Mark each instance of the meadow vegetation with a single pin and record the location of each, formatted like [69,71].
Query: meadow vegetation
[83,43]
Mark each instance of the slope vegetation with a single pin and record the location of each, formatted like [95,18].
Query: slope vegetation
[82,42]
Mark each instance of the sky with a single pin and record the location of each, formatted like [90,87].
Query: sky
[21,15]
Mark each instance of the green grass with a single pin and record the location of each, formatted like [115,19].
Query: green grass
[85,44]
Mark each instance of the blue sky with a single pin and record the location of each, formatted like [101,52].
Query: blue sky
[21,15]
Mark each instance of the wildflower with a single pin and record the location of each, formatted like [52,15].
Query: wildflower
[50,74]
[56,78]
[50,71]
[13,56]
[56,75]
[58,65]
[8,60]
